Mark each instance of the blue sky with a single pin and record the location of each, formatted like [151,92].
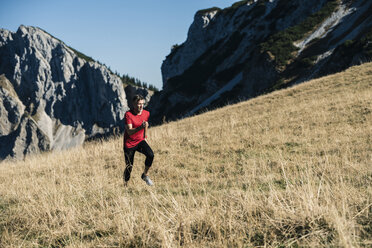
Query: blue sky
[131,37]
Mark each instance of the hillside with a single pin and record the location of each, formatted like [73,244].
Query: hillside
[287,169]
[256,47]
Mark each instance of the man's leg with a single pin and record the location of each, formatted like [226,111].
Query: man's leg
[145,149]
[129,157]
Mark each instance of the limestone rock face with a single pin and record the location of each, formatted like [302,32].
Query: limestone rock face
[51,96]
[254,47]
[11,108]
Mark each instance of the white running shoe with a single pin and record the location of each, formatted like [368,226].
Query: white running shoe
[147,180]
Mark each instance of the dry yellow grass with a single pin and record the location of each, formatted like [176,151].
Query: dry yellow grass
[288,169]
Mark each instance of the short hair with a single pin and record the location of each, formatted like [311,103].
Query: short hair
[137,98]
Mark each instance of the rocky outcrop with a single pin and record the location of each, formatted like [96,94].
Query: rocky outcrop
[53,97]
[258,46]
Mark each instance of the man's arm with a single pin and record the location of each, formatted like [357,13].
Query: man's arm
[145,132]
[131,130]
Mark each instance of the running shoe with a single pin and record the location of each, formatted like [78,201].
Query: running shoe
[147,180]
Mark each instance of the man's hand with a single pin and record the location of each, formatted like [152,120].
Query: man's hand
[130,130]
[145,125]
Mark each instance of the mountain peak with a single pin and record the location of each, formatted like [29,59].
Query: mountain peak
[54,97]
[255,47]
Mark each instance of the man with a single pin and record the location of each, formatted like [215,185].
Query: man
[136,123]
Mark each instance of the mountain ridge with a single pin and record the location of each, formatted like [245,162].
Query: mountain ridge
[53,96]
[269,44]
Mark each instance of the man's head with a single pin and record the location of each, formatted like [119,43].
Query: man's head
[138,102]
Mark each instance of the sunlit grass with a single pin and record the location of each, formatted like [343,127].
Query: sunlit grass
[292,168]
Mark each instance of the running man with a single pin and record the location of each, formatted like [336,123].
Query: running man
[136,124]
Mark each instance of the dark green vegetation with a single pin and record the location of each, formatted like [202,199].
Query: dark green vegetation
[82,55]
[263,47]
[364,44]
[280,45]
[345,55]
[126,79]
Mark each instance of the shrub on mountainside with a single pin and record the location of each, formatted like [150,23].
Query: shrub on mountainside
[82,55]
[364,45]
[128,80]
[280,45]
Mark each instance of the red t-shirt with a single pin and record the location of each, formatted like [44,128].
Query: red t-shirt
[136,121]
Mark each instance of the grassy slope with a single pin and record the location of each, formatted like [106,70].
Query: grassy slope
[289,168]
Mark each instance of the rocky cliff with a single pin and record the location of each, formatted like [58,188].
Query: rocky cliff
[258,46]
[53,97]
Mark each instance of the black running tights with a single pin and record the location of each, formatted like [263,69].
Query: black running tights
[143,148]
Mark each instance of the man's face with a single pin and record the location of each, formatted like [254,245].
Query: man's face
[138,106]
